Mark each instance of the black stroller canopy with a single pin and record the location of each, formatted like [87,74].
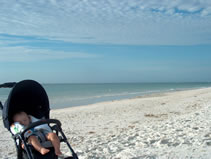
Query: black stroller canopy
[28,96]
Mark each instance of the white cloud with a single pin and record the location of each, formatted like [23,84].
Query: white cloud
[23,54]
[206,11]
[151,22]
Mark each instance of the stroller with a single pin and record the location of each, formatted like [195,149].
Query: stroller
[29,96]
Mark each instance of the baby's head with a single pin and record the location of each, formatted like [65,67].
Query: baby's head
[22,118]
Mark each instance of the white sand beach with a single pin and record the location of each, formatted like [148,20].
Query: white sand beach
[175,125]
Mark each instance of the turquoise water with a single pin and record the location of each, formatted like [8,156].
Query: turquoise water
[68,95]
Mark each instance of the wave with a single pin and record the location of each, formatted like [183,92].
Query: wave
[66,101]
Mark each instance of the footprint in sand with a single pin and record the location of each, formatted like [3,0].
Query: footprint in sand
[208,139]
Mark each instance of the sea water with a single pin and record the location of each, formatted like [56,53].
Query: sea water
[69,95]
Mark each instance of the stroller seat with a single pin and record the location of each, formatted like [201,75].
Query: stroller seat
[29,96]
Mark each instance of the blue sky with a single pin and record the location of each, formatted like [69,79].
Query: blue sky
[81,41]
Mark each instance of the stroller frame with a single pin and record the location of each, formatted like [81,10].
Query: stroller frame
[10,107]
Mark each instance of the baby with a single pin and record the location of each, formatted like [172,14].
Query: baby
[24,119]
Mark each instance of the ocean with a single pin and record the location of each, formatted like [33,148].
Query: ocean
[69,95]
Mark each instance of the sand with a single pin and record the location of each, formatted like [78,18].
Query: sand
[160,126]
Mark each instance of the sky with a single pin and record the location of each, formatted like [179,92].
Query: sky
[105,41]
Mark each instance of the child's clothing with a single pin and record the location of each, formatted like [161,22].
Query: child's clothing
[17,128]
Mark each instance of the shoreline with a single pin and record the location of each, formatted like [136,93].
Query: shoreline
[171,125]
[154,94]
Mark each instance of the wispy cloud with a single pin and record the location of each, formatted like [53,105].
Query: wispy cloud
[109,21]
[10,40]
[25,54]
[16,48]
